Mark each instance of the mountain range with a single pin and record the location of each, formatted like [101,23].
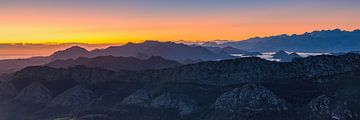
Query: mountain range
[166,80]
[314,88]
[325,41]
[168,50]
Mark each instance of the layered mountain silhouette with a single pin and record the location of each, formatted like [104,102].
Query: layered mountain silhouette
[168,50]
[70,53]
[147,81]
[116,63]
[328,41]
[314,88]
[12,65]
[325,41]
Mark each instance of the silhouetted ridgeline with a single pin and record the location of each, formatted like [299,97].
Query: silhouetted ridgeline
[168,50]
[325,41]
[328,41]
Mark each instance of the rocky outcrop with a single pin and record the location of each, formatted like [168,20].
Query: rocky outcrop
[143,98]
[183,104]
[321,105]
[74,97]
[328,107]
[35,93]
[251,97]
[140,98]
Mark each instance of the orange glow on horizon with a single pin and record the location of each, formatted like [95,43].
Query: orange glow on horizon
[29,25]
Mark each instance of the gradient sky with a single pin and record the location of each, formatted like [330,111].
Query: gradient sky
[120,21]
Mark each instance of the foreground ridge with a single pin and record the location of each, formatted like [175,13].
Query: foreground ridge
[319,87]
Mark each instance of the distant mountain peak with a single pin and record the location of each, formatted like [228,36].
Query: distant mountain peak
[280,53]
[129,43]
[77,49]
[284,56]
[70,53]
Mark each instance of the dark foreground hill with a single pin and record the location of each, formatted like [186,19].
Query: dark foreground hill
[314,88]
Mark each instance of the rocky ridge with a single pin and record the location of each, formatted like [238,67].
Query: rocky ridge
[251,97]
[35,93]
[74,97]
[248,88]
[182,103]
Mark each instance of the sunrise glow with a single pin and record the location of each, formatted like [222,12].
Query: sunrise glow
[37,21]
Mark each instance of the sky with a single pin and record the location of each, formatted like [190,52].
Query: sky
[121,21]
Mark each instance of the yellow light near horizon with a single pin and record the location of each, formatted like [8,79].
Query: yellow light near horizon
[119,33]
[46,34]
[80,34]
